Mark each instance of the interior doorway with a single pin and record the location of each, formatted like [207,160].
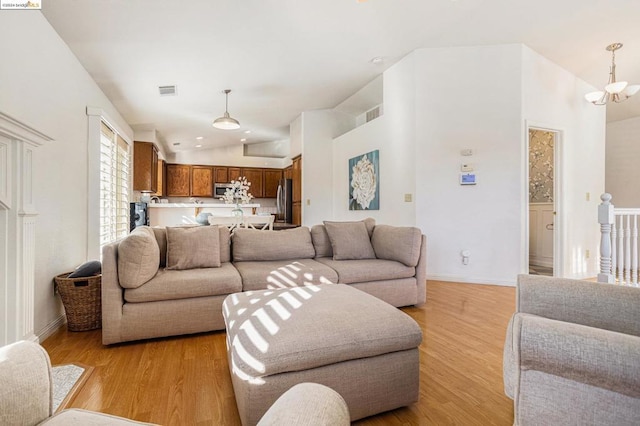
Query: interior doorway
[542,200]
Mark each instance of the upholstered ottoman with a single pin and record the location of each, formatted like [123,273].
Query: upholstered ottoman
[358,345]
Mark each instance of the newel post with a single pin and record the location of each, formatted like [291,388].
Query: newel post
[606,220]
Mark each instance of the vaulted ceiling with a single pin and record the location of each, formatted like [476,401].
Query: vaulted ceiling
[282,57]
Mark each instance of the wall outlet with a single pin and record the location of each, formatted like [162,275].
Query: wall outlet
[587,254]
[308,201]
[408,198]
[588,196]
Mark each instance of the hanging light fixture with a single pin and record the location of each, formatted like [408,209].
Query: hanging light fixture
[614,91]
[226,122]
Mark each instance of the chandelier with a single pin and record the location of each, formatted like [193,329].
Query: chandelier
[226,122]
[614,91]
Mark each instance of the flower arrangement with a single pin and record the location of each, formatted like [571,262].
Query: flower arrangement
[238,193]
[363,182]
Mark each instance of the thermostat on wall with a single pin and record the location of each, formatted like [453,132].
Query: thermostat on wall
[467,178]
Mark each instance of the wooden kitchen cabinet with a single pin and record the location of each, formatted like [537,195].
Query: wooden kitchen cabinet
[234,173]
[221,175]
[297,214]
[271,180]
[201,181]
[256,177]
[162,190]
[288,172]
[145,167]
[178,180]
[297,178]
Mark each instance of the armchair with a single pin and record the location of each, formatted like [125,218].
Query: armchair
[571,353]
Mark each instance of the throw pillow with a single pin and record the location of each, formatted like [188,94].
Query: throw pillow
[138,258]
[193,247]
[255,245]
[349,240]
[322,243]
[87,269]
[399,243]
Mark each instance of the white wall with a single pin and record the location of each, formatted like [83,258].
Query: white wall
[469,98]
[622,162]
[393,134]
[43,84]
[232,155]
[554,98]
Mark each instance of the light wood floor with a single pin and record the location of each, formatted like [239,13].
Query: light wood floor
[185,380]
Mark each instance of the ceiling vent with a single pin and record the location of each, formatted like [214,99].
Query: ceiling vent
[167,90]
[372,114]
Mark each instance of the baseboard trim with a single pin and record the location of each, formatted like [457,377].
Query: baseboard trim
[469,280]
[51,328]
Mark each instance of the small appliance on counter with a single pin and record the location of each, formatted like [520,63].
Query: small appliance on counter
[138,215]
[284,201]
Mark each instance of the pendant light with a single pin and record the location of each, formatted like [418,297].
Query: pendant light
[226,122]
[614,91]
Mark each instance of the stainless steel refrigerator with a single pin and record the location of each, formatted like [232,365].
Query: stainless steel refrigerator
[284,201]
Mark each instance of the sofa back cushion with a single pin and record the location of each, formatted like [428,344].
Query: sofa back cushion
[138,257]
[193,247]
[349,240]
[322,243]
[399,243]
[253,245]
[225,244]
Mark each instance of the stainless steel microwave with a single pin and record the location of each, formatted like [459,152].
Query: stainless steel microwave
[220,188]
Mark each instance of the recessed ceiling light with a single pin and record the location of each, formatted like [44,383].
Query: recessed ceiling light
[176,143]
[243,140]
[247,131]
[198,146]
[199,138]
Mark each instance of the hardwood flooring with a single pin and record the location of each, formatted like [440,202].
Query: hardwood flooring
[185,380]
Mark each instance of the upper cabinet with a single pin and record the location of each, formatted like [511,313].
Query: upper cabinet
[234,173]
[178,180]
[297,179]
[201,181]
[145,167]
[162,190]
[221,174]
[256,177]
[186,180]
[271,180]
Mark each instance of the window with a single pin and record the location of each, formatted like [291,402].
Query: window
[114,185]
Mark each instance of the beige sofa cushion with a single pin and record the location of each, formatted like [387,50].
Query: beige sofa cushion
[138,257]
[225,244]
[321,241]
[349,240]
[400,243]
[356,271]
[274,274]
[317,326]
[201,282]
[252,244]
[193,247]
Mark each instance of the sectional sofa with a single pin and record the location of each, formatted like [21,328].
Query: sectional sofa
[160,282]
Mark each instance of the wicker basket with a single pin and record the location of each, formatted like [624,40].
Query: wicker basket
[82,299]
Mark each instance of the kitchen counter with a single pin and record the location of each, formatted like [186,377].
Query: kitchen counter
[175,214]
[203,205]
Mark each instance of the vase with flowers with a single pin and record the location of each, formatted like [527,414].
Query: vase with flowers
[238,194]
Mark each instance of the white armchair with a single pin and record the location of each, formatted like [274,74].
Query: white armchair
[26,399]
[571,354]
[26,393]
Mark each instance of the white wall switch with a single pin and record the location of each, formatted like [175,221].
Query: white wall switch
[588,196]
[308,201]
[466,152]
[408,198]
[466,167]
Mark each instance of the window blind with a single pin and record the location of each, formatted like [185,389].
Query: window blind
[114,185]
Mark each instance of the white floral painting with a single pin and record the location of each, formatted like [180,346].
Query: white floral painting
[364,182]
